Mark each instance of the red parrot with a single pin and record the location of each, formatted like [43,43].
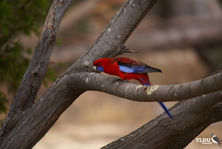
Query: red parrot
[128,69]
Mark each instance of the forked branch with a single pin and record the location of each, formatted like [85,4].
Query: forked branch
[191,116]
[34,121]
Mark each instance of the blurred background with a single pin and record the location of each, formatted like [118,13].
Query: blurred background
[181,37]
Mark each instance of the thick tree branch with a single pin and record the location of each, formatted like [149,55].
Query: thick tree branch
[38,66]
[190,118]
[35,121]
[110,42]
[179,33]
[216,112]
[105,83]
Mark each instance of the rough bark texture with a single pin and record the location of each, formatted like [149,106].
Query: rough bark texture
[32,123]
[39,63]
[38,66]
[176,92]
[190,118]
[34,120]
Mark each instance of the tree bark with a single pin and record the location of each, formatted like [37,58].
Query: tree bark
[38,66]
[33,122]
[190,118]
[142,93]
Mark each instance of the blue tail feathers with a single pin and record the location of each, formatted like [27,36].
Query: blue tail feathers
[163,106]
[166,110]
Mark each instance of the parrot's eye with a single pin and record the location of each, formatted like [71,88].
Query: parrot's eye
[97,64]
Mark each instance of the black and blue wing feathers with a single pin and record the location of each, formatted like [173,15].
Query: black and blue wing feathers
[130,66]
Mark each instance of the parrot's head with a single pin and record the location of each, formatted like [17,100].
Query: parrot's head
[100,64]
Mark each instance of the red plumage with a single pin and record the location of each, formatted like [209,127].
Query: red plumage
[112,66]
[128,69]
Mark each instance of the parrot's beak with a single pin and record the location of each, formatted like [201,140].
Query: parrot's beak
[94,68]
[98,68]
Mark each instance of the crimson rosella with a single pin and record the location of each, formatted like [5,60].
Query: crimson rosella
[128,69]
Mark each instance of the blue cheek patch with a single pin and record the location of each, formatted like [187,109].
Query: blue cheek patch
[100,68]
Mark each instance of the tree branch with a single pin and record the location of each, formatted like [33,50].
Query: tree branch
[179,33]
[216,112]
[107,84]
[34,122]
[190,118]
[38,66]
[65,90]
[115,34]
